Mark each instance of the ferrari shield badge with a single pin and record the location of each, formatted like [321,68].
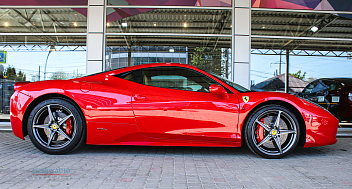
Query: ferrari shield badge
[245,99]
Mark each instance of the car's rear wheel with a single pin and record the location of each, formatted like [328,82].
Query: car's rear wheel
[272,132]
[56,127]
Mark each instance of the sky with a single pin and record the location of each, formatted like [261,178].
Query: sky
[262,66]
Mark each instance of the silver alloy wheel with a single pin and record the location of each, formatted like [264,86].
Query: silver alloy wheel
[50,124]
[274,132]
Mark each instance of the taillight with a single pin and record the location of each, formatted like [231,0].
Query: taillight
[19,84]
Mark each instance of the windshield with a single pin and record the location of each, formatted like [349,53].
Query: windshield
[232,84]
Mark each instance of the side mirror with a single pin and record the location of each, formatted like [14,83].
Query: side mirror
[218,90]
[314,99]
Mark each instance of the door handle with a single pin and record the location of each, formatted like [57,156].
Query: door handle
[139,97]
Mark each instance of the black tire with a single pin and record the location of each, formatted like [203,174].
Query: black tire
[270,137]
[60,133]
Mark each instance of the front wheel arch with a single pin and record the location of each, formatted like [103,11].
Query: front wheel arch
[40,99]
[302,126]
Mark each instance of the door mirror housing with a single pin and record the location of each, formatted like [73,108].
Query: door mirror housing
[218,90]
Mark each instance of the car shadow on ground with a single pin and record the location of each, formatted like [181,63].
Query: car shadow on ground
[189,151]
[342,147]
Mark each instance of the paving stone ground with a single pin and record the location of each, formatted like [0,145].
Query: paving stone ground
[24,166]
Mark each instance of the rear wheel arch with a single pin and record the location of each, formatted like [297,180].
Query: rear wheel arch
[302,126]
[40,99]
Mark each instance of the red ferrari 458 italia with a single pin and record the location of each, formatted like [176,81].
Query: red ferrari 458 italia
[165,104]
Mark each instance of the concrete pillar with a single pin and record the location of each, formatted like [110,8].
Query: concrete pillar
[287,82]
[95,36]
[241,41]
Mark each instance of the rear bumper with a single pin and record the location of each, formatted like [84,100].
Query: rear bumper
[16,124]
[18,105]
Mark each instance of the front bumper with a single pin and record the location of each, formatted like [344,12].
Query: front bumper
[321,126]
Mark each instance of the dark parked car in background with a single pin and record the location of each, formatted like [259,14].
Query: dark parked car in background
[334,94]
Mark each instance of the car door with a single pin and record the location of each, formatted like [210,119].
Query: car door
[175,103]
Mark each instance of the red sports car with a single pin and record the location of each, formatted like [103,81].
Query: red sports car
[165,104]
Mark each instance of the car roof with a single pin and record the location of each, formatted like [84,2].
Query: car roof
[128,68]
[135,67]
[150,65]
[347,81]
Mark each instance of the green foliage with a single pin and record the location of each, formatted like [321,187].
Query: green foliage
[298,75]
[34,77]
[310,79]
[78,75]
[62,75]
[59,75]
[10,74]
[207,59]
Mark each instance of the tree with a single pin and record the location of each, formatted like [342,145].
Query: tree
[298,75]
[77,75]
[207,59]
[60,75]
[35,77]
[10,74]
[21,76]
[310,79]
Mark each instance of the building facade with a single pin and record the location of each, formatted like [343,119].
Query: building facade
[215,35]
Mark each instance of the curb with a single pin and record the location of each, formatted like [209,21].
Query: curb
[5,126]
[6,129]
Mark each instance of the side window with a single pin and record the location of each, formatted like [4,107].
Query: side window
[176,78]
[332,85]
[134,76]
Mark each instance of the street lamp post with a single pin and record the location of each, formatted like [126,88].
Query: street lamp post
[52,48]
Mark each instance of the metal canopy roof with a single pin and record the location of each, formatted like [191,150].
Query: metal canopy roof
[184,22]
[299,24]
[63,20]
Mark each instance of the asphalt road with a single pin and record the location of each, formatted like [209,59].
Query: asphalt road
[23,166]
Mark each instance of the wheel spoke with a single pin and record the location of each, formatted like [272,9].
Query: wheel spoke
[64,134]
[42,126]
[52,133]
[264,140]
[263,125]
[51,115]
[63,120]
[277,143]
[282,132]
[277,121]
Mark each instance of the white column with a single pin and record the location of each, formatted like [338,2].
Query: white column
[95,36]
[241,42]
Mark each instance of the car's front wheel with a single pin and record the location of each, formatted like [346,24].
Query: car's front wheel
[56,127]
[272,131]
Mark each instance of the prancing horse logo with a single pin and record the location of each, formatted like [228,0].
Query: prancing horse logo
[245,99]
